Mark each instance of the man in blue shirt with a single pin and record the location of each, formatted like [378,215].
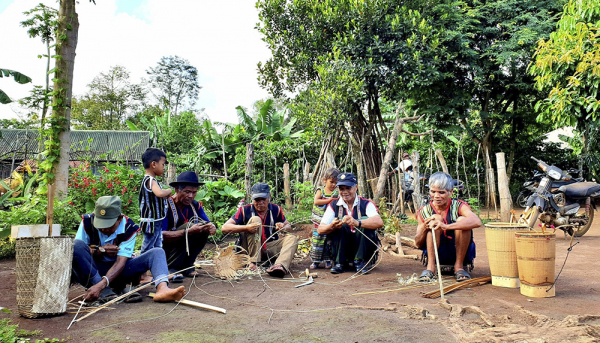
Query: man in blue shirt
[186,227]
[102,256]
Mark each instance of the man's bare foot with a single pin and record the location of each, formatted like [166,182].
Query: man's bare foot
[165,294]
[252,266]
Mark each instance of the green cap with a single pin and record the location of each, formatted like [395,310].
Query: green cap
[108,209]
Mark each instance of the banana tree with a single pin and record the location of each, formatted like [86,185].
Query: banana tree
[18,77]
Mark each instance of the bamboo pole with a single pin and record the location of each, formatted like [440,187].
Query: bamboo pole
[503,188]
[286,185]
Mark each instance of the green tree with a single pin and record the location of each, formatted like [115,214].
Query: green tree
[567,69]
[42,22]
[110,100]
[174,82]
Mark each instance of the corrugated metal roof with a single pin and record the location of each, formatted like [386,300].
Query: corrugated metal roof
[85,144]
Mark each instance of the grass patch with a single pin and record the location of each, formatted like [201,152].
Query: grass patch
[10,333]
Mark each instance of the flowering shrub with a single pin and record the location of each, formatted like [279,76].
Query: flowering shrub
[86,185]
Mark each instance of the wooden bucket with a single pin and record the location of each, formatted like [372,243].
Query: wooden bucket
[500,241]
[536,252]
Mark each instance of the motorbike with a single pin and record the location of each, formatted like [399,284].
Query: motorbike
[532,184]
[576,213]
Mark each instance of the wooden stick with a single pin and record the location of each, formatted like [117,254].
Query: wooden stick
[437,263]
[197,304]
[398,239]
[129,293]
[417,285]
[463,284]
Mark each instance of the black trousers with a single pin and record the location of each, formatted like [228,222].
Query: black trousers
[348,246]
[177,256]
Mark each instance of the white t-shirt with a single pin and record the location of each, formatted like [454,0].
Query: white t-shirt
[330,215]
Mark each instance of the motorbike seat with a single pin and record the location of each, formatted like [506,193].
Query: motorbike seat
[580,189]
[557,184]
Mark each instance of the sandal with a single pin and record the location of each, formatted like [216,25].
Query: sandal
[314,265]
[276,271]
[134,297]
[327,264]
[462,275]
[427,276]
[177,278]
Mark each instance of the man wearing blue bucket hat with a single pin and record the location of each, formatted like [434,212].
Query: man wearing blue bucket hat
[351,223]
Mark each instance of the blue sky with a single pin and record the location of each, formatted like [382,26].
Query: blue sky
[217,37]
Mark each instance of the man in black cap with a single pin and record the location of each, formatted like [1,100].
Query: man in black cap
[351,223]
[267,241]
[185,214]
[102,256]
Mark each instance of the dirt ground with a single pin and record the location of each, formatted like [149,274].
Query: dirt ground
[327,311]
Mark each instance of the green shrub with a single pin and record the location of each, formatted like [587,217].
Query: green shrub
[220,200]
[10,333]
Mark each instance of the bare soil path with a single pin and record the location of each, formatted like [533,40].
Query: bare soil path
[480,314]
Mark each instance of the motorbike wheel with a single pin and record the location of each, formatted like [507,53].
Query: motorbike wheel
[582,230]
[522,200]
[530,216]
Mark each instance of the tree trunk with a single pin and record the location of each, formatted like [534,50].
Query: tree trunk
[68,25]
[171,173]
[489,175]
[248,176]
[401,179]
[389,154]
[286,185]
[438,153]
[503,189]
[417,197]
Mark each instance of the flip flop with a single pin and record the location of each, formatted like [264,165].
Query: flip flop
[314,265]
[177,278]
[427,276]
[462,275]
[276,271]
[106,295]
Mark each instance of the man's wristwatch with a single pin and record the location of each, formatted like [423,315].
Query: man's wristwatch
[359,224]
[101,249]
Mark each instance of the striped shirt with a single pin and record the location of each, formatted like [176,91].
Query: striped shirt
[152,208]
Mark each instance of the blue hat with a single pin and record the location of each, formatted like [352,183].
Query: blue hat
[346,179]
[260,190]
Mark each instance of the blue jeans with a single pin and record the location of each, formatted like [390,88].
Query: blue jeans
[153,240]
[88,270]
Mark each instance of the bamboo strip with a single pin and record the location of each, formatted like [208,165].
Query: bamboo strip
[403,288]
[129,293]
[197,304]
[463,284]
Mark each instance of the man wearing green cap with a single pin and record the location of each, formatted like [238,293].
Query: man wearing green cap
[102,256]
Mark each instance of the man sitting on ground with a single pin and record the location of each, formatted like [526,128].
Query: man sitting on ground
[102,256]
[264,244]
[351,223]
[184,211]
[453,222]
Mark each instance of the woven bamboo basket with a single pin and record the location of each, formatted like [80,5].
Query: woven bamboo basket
[502,255]
[43,275]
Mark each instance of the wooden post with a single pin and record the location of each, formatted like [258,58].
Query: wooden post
[171,173]
[286,185]
[248,176]
[503,189]
[224,162]
[306,176]
[438,153]
[417,197]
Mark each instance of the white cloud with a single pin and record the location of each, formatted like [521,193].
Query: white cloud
[217,37]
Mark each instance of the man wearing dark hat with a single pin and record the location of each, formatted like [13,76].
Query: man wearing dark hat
[185,214]
[267,241]
[351,223]
[102,256]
